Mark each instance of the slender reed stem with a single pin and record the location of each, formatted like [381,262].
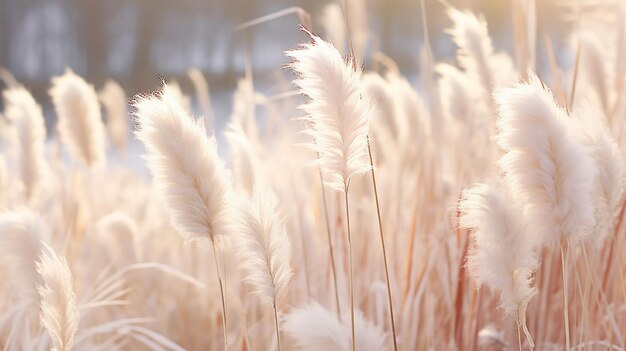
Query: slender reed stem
[350,267]
[565,302]
[519,337]
[276,324]
[219,277]
[330,242]
[382,242]
[573,90]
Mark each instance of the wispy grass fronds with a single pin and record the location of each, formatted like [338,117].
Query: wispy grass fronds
[338,111]
[264,245]
[244,105]
[608,191]
[264,248]
[334,26]
[59,312]
[244,158]
[313,327]
[188,172]
[80,123]
[177,94]
[28,140]
[113,99]
[21,236]
[503,256]
[549,170]
[203,95]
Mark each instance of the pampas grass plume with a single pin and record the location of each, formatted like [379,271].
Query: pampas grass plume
[114,100]
[313,328]
[338,110]
[59,312]
[503,257]
[545,164]
[80,124]
[188,172]
[28,139]
[264,245]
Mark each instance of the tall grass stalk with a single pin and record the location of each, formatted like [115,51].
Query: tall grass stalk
[329,238]
[350,269]
[222,296]
[565,297]
[382,244]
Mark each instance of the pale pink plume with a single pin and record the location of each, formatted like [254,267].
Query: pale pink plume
[21,236]
[244,158]
[189,175]
[59,312]
[80,124]
[313,328]
[203,94]
[263,245]
[180,97]
[244,105]
[334,26]
[503,256]
[113,99]
[475,50]
[28,140]
[338,110]
[548,169]
[608,192]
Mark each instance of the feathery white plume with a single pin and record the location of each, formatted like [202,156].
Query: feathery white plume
[313,328]
[243,109]
[114,101]
[470,34]
[177,93]
[338,110]
[28,139]
[334,26]
[203,94]
[188,172]
[21,235]
[264,245]
[244,158]
[503,256]
[608,190]
[549,171]
[80,124]
[475,50]
[59,312]
[369,337]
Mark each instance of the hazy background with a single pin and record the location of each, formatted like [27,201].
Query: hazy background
[138,42]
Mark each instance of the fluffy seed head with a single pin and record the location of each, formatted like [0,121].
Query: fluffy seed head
[338,111]
[59,312]
[189,175]
[549,171]
[80,124]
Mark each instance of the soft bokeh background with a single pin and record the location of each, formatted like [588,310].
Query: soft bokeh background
[139,42]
